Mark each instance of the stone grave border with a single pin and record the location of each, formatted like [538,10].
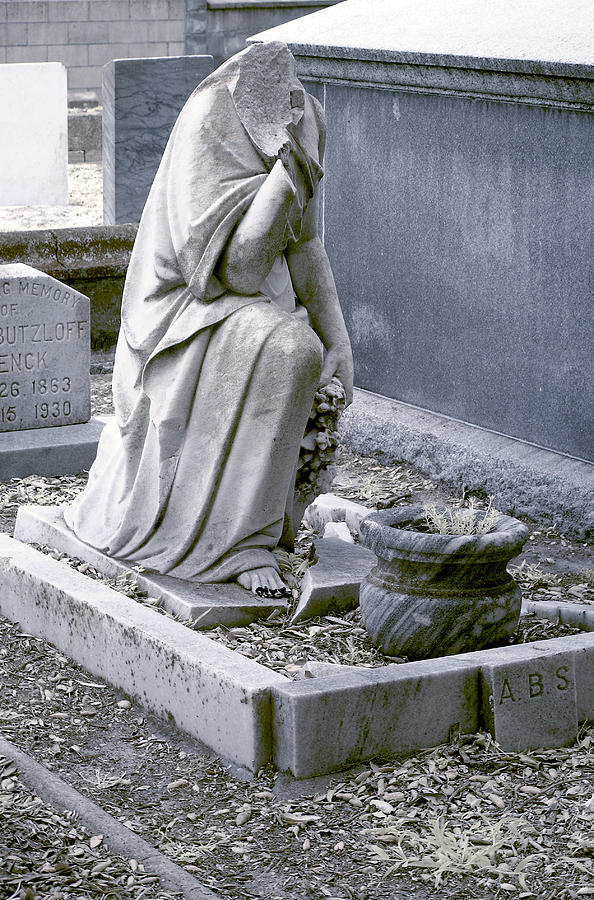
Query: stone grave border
[249,714]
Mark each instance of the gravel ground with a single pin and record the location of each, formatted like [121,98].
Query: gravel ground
[85,189]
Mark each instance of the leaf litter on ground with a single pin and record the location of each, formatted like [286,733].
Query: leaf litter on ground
[443,807]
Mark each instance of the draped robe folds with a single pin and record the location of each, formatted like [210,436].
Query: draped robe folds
[212,389]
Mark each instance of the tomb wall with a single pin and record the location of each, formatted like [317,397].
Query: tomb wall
[457,204]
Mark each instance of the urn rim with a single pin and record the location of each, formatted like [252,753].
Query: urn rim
[385,533]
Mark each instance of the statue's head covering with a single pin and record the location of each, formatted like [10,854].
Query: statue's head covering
[267,95]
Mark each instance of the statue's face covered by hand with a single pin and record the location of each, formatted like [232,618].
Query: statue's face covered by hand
[268,96]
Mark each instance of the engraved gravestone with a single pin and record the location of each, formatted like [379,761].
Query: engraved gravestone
[44,351]
[529,703]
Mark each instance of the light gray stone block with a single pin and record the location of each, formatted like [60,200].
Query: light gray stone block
[69,10]
[330,508]
[332,583]
[324,724]
[44,351]
[141,101]
[34,150]
[217,696]
[530,703]
[581,647]
[352,704]
[64,450]
[339,531]
[579,614]
[207,605]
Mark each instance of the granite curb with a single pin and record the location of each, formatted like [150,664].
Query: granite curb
[219,697]
[412,706]
[579,614]
[119,839]
[249,714]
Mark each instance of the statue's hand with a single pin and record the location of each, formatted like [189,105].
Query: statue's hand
[339,362]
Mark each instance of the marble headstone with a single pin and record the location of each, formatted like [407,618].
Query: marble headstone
[142,98]
[34,129]
[44,351]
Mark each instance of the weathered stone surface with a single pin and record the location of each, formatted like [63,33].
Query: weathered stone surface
[214,694]
[329,508]
[315,669]
[63,450]
[522,479]
[338,530]
[580,614]
[33,124]
[451,99]
[141,101]
[93,260]
[44,351]
[513,36]
[529,703]
[342,702]
[370,713]
[332,583]
[438,594]
[207,605]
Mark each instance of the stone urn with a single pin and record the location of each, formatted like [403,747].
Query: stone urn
[437,594]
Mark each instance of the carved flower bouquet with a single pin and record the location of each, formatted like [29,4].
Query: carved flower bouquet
[315,469]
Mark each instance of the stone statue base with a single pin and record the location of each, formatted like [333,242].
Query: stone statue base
[206,605]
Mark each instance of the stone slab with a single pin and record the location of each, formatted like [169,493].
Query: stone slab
[208,691]
[333,582]
[527,704]
[324,724]
[44,351]
[34,128]
[328,508]
[401,708]
[513,35]
[64,450]
[141,101]
[206,605]
[579,614]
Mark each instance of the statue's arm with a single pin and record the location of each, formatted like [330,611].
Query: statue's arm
[260,236]
[314,285]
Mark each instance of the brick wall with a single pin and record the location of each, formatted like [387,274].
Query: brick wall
[85,34]
[220,27]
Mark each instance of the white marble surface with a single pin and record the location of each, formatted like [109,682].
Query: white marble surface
[452,32]
[34,128]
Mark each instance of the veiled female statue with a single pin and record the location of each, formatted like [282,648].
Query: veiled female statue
[230,322]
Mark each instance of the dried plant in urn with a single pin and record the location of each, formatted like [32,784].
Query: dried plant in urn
[441,584]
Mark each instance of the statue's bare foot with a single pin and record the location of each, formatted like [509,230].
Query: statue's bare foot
[261,580]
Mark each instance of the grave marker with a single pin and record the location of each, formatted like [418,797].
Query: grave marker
[529,703]
[44,351]
[34,128]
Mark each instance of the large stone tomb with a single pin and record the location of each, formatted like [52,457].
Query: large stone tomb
[44,351]
[34,128]
[458,172]
[45,402]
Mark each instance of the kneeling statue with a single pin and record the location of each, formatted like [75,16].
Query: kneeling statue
[228,303]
